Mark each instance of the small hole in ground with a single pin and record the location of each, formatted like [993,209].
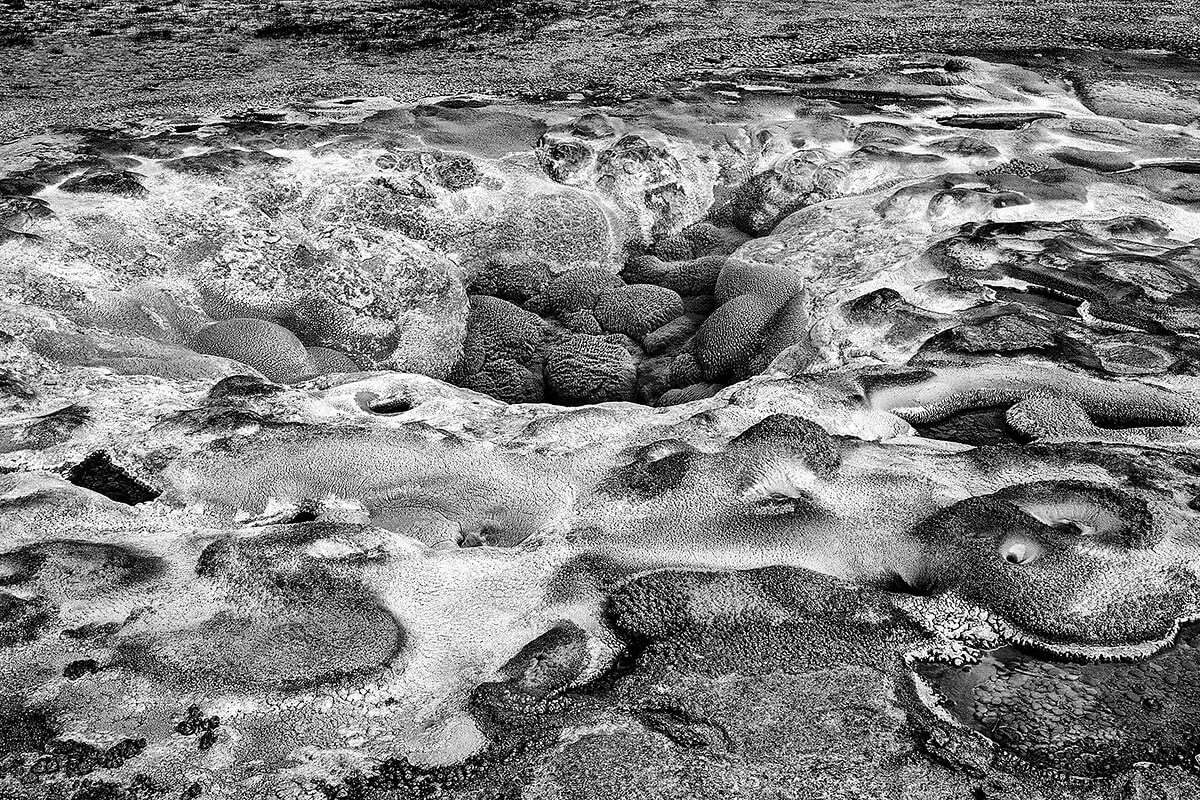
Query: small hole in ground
[897,584]
[397,405]
[98,473]
[1019,552]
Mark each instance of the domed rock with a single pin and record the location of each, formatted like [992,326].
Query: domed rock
[264,346]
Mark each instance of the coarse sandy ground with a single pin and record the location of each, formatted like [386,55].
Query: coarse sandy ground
[103,60]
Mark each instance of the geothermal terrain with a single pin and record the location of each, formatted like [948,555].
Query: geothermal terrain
[571,401]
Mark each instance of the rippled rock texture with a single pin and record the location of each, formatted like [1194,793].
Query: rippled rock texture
[810,432]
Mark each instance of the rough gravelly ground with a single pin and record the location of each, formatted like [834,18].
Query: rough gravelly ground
[103,60]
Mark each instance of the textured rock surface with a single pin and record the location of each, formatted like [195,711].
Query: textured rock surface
[821,432]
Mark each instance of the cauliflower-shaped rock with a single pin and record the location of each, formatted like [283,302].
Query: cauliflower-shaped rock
[500,354]
[588,369]
[638,309]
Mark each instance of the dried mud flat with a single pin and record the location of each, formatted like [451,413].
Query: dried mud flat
[597,402]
